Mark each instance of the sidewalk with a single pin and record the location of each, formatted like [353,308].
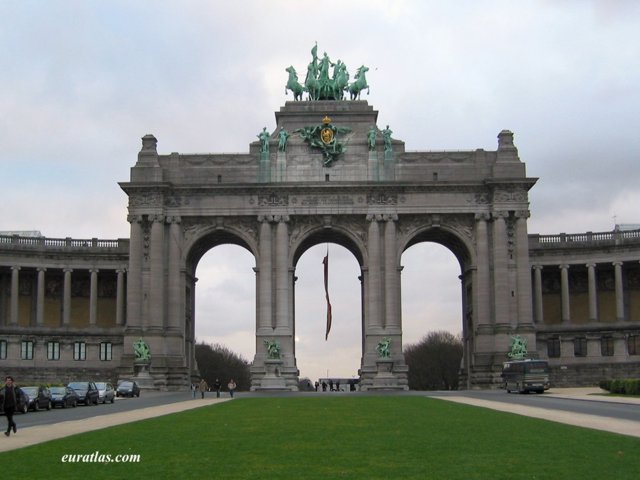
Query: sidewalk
[608,424]
[591,393]
[44,433]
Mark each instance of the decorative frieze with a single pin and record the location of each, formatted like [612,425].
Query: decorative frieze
[382,198]
[146,199]
[273,200]
[514,194]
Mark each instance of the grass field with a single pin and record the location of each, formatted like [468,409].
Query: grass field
[376,437]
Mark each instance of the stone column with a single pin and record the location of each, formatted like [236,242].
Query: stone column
[264,304]
[157,294]
[500,269]
[66,297]
[619,291]
[40,297]
[374,289]
[593,293]
[564,292]
[523,278]
[134,277]
[120,297]
[15,294]
[482,291]
[537,294]
[175,290]
[93,297]
[282,273]
[391,276]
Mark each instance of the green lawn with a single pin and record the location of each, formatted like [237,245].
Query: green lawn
[386,437]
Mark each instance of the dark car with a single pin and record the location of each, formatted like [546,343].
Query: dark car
[23,402]
[87,392]
[106,392]
[39,397]
[64,397]
[128,388]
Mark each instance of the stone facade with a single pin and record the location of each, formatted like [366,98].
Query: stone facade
[62,307]
[586,291]
[277,203]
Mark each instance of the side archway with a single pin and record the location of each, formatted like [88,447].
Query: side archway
[197,245]
[460,246]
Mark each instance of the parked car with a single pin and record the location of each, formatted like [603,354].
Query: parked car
[39,397]
[106,393]
[23,402]
[87,392]
[128,388]
[64,397]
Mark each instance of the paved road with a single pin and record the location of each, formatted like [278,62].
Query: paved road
[56,415]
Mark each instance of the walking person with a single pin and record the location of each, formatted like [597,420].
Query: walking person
[203,387]
[231,386]
[10,395]
[216,385]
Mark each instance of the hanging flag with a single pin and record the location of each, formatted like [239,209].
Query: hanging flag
[325,262]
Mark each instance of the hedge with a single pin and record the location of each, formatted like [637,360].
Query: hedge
[628,386]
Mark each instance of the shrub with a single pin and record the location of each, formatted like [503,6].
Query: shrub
[617,386]
[605,385]
[628,386]
[632,386]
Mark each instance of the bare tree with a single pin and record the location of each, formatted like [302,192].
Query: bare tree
[434,361]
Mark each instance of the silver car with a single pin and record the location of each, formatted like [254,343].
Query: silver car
[106,392]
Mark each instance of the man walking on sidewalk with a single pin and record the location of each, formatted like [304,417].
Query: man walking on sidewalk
[10,394]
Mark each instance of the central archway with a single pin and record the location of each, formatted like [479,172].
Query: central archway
[337,354]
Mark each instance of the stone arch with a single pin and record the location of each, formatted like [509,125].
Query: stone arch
[317,234]
[374,202]
[205,239]
[458,243]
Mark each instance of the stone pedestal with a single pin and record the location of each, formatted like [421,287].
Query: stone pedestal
[386,377]
[142,376]
[273,379]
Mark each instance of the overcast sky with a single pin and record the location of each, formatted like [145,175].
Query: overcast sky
[82,81]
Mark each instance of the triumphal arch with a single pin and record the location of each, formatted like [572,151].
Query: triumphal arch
[329,173]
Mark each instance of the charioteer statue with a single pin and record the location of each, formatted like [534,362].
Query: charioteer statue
[319,85]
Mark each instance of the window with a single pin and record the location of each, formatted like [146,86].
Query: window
[633,344]
[79,351]
[553,347]
[3,349]
[580,347]
[26,350]
[606,346]
[53,350]
[106,351]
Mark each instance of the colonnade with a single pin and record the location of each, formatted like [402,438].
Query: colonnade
[565,295]
[12,317]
